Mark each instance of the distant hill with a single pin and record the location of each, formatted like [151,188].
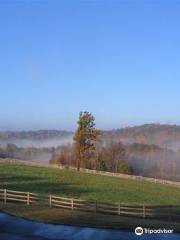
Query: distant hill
[35,135]
[167,136]
[41,138]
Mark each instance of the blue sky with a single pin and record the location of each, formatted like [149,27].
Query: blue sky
[119,60]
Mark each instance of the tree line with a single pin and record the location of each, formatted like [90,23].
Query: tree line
[89,150]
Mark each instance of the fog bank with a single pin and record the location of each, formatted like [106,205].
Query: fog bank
[43,143]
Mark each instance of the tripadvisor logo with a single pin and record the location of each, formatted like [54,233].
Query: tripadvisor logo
[139,231]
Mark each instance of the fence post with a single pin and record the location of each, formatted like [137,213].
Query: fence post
[5,196]
[170,212]
[50,201]
[95,206]
[119,209]
[72,204]
[144,211]
[28,198]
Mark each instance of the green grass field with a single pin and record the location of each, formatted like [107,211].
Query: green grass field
[85,186]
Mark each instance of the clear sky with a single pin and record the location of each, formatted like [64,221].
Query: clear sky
[119,60]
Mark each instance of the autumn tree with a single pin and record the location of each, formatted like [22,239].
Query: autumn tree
[64,155]
[113,154]
[85,139]
[100,163]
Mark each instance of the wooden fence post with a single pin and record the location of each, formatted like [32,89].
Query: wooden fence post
[170,212]
[119,209]
[144,211]
[28,198]
[95,206]
[72,204]
[5,196]
[50,201]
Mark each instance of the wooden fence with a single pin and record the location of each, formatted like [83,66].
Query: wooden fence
[121,209]
[17,196]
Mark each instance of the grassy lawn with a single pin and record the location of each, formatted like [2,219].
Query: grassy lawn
[85,186]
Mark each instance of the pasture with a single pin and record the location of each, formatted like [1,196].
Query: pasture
[69,183]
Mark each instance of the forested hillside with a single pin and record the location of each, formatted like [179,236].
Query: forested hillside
[167,136]
[148,150]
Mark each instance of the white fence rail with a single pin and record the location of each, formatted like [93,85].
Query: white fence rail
[17,196]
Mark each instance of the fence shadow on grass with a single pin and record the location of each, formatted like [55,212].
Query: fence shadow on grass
[45,187]
[18,178]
